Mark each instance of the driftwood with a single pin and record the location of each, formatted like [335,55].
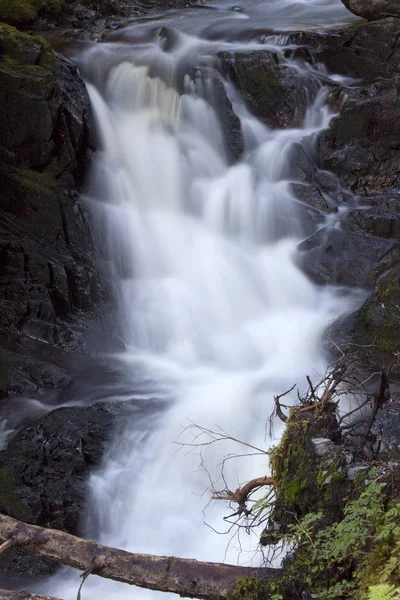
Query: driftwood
[186,577]
[13,595]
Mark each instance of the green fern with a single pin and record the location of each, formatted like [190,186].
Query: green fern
[382,592]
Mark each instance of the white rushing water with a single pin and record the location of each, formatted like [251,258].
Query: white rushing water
[212,307]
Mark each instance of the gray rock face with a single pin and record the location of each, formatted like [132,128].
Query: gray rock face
[373,9]
[47,256]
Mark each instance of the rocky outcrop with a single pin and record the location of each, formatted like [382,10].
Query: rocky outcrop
[373,9]
[43,471]
[361,151]
[361,146]
[47,257]
[375,327]
[354,169]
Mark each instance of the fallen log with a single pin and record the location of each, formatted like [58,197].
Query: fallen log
[186,577]
[13,595]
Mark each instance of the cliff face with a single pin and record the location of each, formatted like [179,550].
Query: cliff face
[47,273]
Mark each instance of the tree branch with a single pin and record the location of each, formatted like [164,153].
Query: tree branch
[186,577]
[240,496]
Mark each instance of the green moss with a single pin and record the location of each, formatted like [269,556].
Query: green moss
[302,485]
[18,12]
[387,288]
[385,332]
[10,66]
[10,503]
[253,588]
[26,49]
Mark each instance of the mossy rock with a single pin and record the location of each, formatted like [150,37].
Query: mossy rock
[32,195]
[303,483]
[272,91]
[378,321]
[19,12]
[26,49]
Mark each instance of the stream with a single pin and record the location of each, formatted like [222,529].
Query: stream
[214,316]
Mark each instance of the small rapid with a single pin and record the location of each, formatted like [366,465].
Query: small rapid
[213,311]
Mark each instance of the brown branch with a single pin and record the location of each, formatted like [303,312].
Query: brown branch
[186,577]
[278,408]
[13,595]
[311,388]
[240,496]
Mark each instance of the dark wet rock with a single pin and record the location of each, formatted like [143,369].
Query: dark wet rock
[324,189]
[310,195]
[375,327]
[381,220]
[334,256]
[359,155]
[274,92]
[387,425]
[3,376]
[47,255]
[216,94]
[365,51]
[373,9]
[361,145]
[44,469]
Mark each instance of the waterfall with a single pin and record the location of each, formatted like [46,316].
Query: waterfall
[212,308]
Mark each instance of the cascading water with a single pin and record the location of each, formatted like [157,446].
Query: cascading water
[212,307]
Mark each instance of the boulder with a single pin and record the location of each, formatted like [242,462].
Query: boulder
[375,327]
[373,9]
[381,220]
[48,272]
[274,92]
[44,469]
[337,257]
